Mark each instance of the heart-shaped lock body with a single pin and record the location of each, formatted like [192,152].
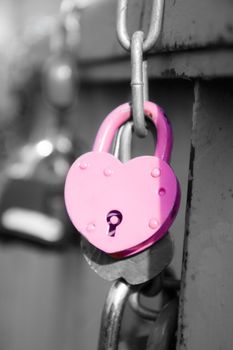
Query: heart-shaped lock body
[123,208]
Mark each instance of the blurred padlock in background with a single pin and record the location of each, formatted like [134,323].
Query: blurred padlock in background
[45,87]
[45,283]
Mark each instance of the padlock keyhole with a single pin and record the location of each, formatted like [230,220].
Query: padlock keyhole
[114,218]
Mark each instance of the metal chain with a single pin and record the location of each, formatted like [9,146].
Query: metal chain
[139,45]
[70,5]
[69,20]
[154,27]
[137,84]
[60,69]
[67,31]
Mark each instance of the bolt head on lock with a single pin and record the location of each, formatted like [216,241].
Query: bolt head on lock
[123,208]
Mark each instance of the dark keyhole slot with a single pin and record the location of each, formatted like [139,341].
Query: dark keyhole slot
[114,218]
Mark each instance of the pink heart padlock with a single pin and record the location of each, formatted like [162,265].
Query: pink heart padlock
[123,208]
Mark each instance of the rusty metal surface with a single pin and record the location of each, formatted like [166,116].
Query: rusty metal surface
[187,64]
[186,25]
[206,312]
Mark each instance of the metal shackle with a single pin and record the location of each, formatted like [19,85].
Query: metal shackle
[121,114]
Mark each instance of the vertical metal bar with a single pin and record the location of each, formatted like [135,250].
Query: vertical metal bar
[117,143]
[137,84]
[122,31]
[145,81]
[155,25]
[126,142]
[206,312]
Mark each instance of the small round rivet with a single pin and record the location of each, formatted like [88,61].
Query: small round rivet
[108,172]
[162,192]
[153,223]
[90,227]
[83,165]
[156,172]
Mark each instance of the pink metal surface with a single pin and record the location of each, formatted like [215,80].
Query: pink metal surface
[143,193]
[121,114]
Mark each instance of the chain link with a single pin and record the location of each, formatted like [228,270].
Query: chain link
[138,45]
[137,84]
[154,27]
